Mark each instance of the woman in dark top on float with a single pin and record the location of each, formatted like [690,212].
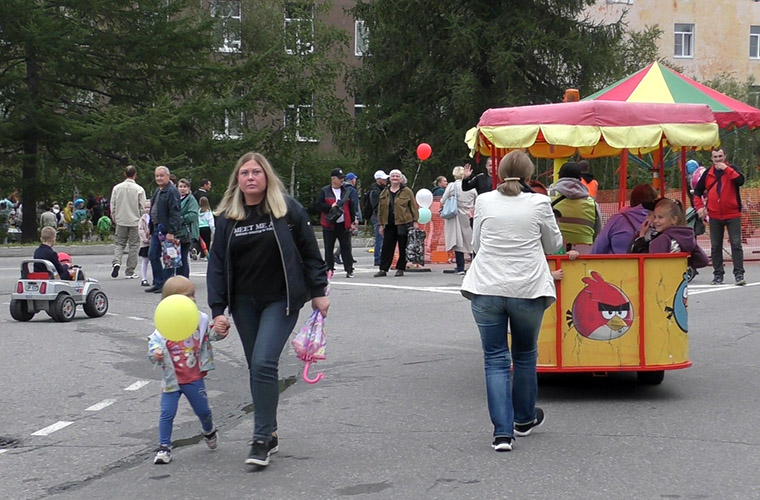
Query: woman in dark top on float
[264,265]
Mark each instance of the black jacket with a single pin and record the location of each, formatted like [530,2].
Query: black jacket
[481,183]
[305,270]
[168,207]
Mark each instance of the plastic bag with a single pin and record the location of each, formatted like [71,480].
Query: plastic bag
[415,247]
[171,255]
[310,344]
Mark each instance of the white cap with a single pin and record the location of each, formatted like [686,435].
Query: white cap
[381,175]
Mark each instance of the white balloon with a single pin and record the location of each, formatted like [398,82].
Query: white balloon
[424,198]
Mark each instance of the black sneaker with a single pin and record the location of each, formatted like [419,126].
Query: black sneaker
[502,443]
[350,274]
[163,456]
[274,444]
[115,272]
[380,274]
[717,281]
[740,281]
[524,429]
[259,454]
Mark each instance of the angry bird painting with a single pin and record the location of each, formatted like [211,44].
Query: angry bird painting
[601,311]
[680,302]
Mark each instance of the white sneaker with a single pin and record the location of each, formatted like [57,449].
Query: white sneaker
[163,456]
[131,276]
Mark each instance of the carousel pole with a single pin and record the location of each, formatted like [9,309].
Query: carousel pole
[623,182]
[661,170]
[684,182]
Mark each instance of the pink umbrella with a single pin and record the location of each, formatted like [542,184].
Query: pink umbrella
[310,343]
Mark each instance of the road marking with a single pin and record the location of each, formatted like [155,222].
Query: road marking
[137,385]
[3,451]
[52,428]
[717,288]
[99,406]
[431,289]
[135,318]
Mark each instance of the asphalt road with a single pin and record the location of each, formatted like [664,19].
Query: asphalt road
[401,413]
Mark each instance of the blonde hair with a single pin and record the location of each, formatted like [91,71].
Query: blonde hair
[47,234]
[515,168]
[438,180]
[204,204]
[233,202]
[458,172]
[674,210]
[178,285]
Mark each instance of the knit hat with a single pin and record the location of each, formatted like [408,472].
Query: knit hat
[571,170]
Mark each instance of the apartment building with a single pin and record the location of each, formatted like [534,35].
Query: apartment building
[704,37]
[298,19]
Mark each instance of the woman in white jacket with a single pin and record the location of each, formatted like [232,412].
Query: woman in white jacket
[457,231]
[510,285]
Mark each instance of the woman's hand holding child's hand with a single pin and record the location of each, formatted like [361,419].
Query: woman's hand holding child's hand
[221,325]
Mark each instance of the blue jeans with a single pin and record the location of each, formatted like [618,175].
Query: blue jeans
[160,275]
[459,256]
[378,240]
[264,330]
[734,227]
[195,392]
[495,316]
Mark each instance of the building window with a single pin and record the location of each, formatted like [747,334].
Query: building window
[299,28]
[229,24]
[361,38]
[754,42]
[684,40]
[300,117]
[229,127]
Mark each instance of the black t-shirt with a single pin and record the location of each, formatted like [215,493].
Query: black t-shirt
[256,260]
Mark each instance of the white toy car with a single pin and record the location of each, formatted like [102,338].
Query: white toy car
[41,291]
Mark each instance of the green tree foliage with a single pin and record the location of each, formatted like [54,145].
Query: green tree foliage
[88,87]
[434,66]
[72,73]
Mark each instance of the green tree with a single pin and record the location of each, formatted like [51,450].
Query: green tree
[88,87]
[76,77]
[434,66]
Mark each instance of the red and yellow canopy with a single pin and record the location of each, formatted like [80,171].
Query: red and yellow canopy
[658,83]
[593,128]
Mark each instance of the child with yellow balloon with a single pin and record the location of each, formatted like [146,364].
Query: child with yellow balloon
[181,345]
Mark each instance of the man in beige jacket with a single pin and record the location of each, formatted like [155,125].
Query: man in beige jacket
[127,202]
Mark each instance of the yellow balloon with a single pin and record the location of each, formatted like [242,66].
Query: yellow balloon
[176,317]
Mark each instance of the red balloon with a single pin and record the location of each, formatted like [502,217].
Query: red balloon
[424,151]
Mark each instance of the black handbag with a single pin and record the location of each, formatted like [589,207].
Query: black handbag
[335,212]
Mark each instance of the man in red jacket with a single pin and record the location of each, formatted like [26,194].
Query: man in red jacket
[717,196]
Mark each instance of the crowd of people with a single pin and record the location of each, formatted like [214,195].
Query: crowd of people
[510,229]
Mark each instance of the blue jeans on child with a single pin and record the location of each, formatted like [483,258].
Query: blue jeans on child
[195,392]
[522,318]
[264,329]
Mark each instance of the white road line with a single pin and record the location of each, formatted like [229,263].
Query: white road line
[3,451]
[136,318]
[137,385]
[717,288]
[99,406]
[397,287]
[52,428]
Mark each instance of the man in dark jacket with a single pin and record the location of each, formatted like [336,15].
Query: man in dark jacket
[717,197]
[482,183]
[336,194]
[164,217]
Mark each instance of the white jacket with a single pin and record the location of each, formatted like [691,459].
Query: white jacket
[127,202]
[511,236]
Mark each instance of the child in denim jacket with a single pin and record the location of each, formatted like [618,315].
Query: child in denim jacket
[185,364]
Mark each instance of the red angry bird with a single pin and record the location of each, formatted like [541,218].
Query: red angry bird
[601,311]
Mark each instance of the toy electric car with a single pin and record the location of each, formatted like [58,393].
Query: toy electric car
[41,291]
